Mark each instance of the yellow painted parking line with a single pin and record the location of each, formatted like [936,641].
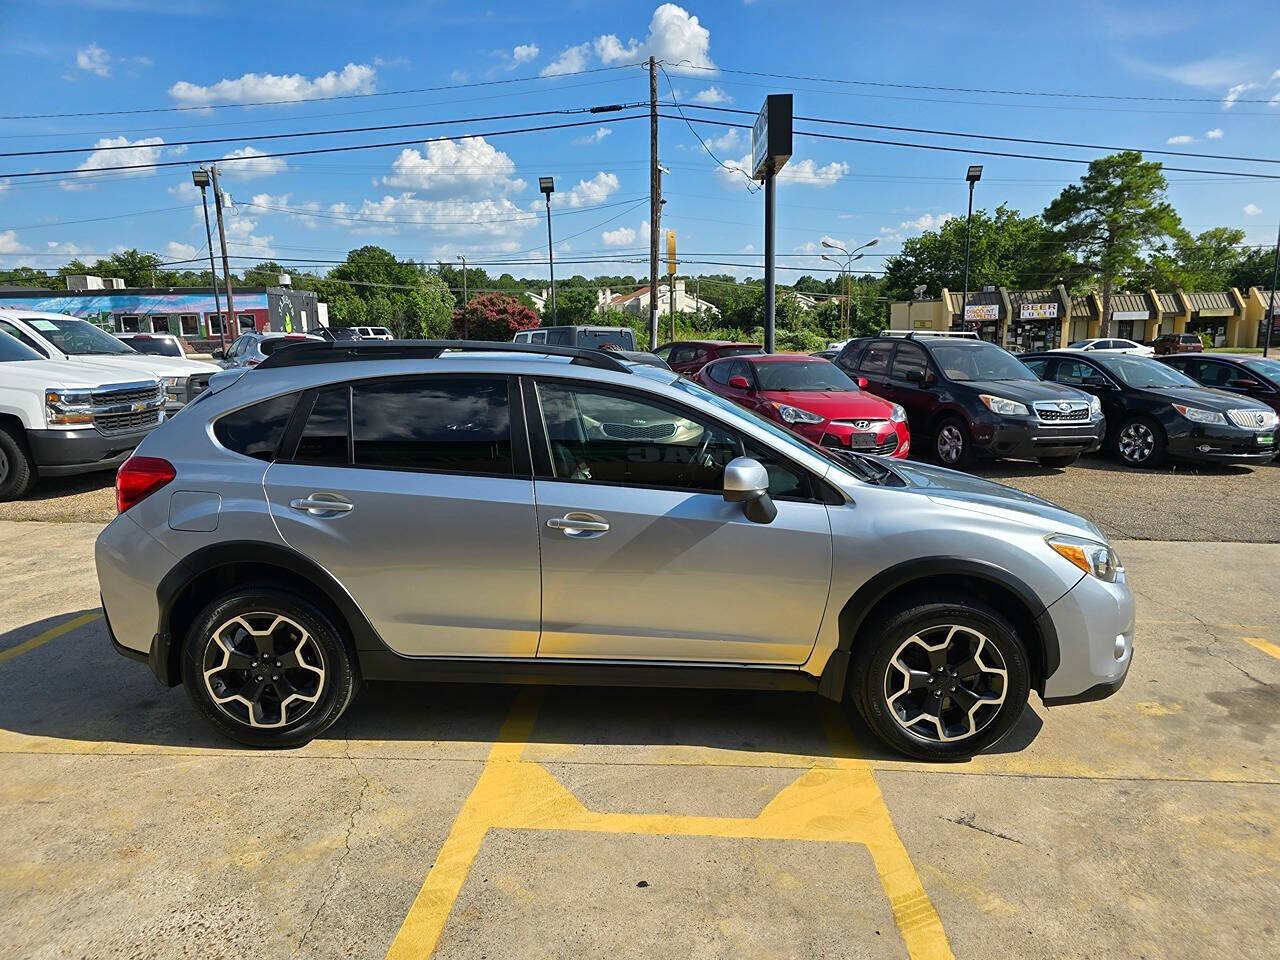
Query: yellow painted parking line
[51,634]
[1266,646]
[838,802]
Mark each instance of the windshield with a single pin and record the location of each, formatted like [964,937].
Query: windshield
[1264,365]
[270,345]
[156,346]
[598,338]
[1143,372]
[802,375]
[78,338]
[11,350]
[1079,344]
[984,362]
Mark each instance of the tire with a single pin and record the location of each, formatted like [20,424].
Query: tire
[293,704]
[1139,442]
[17,470]
[952,446]
[974,634]
[1065,460]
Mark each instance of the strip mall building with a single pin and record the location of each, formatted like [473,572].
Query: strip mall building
[1023,320]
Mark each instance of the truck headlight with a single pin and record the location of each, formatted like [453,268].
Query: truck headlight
[1004,406]
[1196,415]
[1096,559]
[792,414]
[68,408]
[175,388]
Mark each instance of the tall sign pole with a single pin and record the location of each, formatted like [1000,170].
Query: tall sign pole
[1270,319]
[770,150]
[226,265]
[655,203]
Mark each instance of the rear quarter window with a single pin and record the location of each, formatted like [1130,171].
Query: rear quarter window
[256,431]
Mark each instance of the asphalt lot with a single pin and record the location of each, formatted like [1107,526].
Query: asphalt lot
[1207,503]
[500,822]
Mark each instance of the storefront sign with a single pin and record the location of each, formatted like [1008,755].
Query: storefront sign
[771,136]
[982,311]
[1130,314]
[1038,311]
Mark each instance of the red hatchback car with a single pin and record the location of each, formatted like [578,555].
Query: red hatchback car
[687,357]
[812,397]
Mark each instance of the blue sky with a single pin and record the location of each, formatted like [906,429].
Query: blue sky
[480,197]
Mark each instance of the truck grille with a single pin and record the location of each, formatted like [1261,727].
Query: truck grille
[111,424]
[1062,411]
[127,408]
[1252,419]
[129,394]
[881,449]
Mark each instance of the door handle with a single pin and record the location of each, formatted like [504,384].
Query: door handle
[580,525]
[319,504]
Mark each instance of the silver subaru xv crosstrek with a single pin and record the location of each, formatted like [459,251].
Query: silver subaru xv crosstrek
[453,511]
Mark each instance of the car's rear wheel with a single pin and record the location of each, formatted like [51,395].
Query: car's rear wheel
[1065,460]
[268,668]
[17,471]
[951,444]
[1139,442]
[942,680]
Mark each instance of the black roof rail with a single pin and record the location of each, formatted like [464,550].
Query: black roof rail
[308,352]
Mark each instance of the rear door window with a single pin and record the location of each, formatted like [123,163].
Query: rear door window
[875,361]
[255,431]
[909,359]
[441,424]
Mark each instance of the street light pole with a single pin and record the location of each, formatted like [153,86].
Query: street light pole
[226,264]
[201,179]
[973,176]
[846,278]
[548,186]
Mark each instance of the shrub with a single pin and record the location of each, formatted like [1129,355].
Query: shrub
[493,316]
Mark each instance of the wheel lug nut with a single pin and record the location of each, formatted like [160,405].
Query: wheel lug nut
[259,679]
[276,677]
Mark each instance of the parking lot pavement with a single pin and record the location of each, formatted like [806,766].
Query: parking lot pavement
[509,822]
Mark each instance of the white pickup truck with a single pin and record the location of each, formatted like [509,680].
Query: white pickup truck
[59,417]
[61,337]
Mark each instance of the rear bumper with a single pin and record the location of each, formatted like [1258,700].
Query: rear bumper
[63,452]
[1024,438]
[130,562]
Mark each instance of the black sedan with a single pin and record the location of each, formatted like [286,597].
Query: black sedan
[1153,411]
[1247,375]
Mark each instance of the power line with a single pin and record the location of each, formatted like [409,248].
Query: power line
[318,150]
[751,184]
[303,212]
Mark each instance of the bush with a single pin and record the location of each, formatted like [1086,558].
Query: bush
[493,316]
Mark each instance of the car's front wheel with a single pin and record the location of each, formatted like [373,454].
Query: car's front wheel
[942,680]
[1139,442]
[951,444]
[268,668]
[17,472]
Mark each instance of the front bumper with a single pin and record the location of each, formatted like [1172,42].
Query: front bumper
[61,453]
[890,440]
[1223,444]
[1092,620]
[1026,438]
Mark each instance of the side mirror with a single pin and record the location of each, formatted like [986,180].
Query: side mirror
[739,382]
[863,383]
[1244,383]
[219,354]
[915,376]
[747,482]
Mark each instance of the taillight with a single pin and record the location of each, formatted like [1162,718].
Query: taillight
[138,478]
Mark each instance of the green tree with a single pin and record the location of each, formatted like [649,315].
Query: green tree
[574,305]
[1116,212]
[1254,269]
[429,311]
[1207,261]
[493,316]
[1007,249]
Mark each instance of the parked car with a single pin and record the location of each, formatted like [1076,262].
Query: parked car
[1112,345]
[338,333]
[1250,376]
[687,357]
[373,333]
[61,417]
[154,344]
[971,398]
[1153,411]
[1176,343]
[61,337]
[383,511]
[251,349]
[811,397]
[590,337]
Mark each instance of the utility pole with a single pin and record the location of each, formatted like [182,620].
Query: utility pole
[655,203]
[463,258]
[697,295]
[1269,320]
[201,179]
[226,264]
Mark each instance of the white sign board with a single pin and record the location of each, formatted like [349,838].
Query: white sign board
[1038,311]
[1130,314]
[982,311]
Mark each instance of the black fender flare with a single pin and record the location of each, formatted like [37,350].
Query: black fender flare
[854,612]
[207,559]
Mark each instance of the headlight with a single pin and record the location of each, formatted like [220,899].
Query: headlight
[1092,557]
[1196,415]
[1006,408]
[68,408]
[795,415]
[899,415]
[175,388]
[1095,408]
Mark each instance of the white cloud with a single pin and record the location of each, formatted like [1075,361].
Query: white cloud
[571,60]
[146,150]
[1180,139]
[243,241]
[1206,72]
[9,242]
[268,204]
[525,52]
[926,221]
[185,191]
[180,251]
[1214,134]
[470,167]
[93,59]
[805,172]
[270,87]
[1252,210]
[712,95]
[594,137]
[586,193]
[622,237]
[494,218]
[248,169]
[674,36]
[726,141]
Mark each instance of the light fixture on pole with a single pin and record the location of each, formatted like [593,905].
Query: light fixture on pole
[846,278]
[973,176]
[200,177]
[548,186]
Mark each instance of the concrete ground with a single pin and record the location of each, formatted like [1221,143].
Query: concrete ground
[498,822]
